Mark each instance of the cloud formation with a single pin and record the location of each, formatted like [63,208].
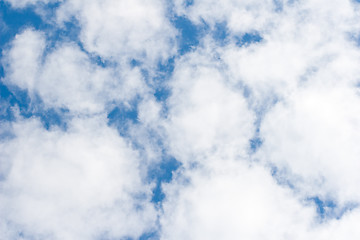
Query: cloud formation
[80,184]
[249,133]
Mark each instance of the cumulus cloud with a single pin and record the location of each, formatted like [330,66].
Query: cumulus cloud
[66,77]
[123,30]
[318,136]
[293,90]
[206,115]
[301,42]
[233,201]
[300,81]
[23,60]
[80,184]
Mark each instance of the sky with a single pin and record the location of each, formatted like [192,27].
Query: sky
[179,119]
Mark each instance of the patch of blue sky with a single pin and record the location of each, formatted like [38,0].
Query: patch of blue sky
[29,108]
[10,99]
[6,100]
[162,91]
[255,143]
[150,236]
[164,70]
[122,116]
[189,3]
[68,31]
[190,34]
[15,20]
[135,63]
[281,176]
[53,117]
[93,57]
[220,33]
[247,39]
[162,173]
[354,37]
[329,209]
[324,208]
[278,5]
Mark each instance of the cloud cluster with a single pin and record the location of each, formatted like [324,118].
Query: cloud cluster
[301,83]
[207,115]
[84,183]
[66,77]
[122,29]
[265,131]
[232,201]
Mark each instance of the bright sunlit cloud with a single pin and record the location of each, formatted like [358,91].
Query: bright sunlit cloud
[179,119]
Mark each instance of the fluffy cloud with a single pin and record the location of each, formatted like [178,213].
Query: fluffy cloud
[315,134]
[80,184]
[301,42]
[309,65]
[301,80]
[233,201]
[23,60]
[123,30]
[296,91]
[206,115]
[66,77]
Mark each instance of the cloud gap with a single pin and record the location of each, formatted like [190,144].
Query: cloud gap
[162,173]
[190,34]
[30,107]
[247,39]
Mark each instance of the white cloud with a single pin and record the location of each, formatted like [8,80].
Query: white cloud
[77,184]
[315,133]
[339,229]
[300,42]
[233,201]
[22,62]
[306,61]
[65,77]
[122,30]
[309,64]
[206,114]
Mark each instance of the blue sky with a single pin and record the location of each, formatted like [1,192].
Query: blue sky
[179,119]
